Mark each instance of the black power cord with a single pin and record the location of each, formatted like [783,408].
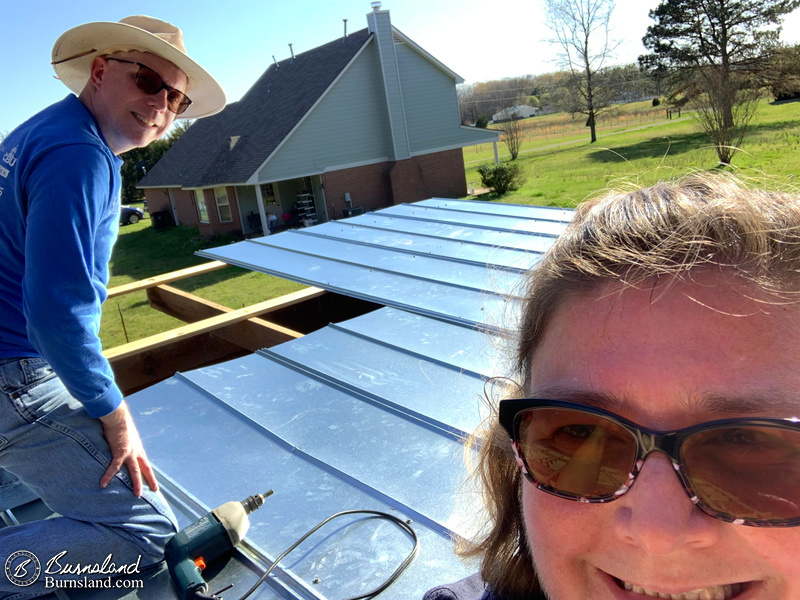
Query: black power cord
[399,522]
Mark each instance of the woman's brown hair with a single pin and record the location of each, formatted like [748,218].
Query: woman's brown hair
[662,233]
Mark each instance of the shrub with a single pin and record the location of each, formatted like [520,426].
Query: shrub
[482,121]
[502,178]
[656,101]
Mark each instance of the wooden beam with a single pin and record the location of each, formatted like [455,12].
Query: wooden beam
[183,305]
[143,284]
[251,334]
[213,323]
[143,369]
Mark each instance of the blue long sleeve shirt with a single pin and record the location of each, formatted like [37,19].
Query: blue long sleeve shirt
[59,218]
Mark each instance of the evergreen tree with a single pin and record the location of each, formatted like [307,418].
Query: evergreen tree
[716,52]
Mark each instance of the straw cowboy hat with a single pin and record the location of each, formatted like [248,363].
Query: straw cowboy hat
[74,51]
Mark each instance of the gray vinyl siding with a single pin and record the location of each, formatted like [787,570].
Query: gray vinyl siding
[429,95]
[391,80]
[349,126]
[246,196]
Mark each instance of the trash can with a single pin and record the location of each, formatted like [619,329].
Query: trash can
[352,211]
[161,219]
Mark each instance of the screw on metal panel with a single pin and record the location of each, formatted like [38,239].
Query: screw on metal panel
[409,521]
[316,580]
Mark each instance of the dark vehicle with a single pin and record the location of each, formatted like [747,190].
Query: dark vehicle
[129,215]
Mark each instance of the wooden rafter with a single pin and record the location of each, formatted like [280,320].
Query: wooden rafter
[251,334]
[214,332]
[212,323]
[143,284]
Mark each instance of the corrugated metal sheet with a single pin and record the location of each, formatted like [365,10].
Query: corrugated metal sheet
[450,259]
[367,414]
[370,413]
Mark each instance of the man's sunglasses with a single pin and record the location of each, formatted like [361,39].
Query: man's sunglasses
[743,471]
[151,83]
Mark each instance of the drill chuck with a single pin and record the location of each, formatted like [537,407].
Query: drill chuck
[254,502]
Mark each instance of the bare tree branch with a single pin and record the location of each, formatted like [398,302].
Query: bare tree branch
[581,29]
[513,136]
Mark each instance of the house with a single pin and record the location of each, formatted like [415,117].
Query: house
[363,122]
[522,111]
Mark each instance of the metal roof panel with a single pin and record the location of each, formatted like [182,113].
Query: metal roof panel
[451,259]
[365,414]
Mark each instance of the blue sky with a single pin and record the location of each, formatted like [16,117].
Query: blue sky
[236,39]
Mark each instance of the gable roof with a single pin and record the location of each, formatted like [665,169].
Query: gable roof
[206,154]
[399,36]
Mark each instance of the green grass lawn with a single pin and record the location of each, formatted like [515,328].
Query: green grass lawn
[636,145]
[564,175]
[142,252]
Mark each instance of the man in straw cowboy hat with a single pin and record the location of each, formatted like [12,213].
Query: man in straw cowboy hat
[65,431]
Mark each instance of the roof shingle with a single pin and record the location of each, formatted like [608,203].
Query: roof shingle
[265,115]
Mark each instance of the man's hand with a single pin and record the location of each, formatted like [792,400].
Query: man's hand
[126,449]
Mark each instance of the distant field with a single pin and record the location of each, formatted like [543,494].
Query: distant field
[635,144]
[648,148]
[561,127]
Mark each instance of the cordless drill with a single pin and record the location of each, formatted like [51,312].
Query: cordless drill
[211,537]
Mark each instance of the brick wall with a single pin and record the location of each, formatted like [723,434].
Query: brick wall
[440,175]
[186,207]
[371,187]
[157,199]
[368,186]
[214,225]
[188,215]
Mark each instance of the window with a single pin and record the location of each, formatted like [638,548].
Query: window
[202,209]
[268,193]
[223,206]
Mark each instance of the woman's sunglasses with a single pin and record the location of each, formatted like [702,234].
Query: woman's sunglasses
[743,471]
[151,83]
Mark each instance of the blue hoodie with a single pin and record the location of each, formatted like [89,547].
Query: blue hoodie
[59,218]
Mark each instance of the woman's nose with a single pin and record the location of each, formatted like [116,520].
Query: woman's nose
[657,514]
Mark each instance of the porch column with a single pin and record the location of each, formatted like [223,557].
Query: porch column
[262,213]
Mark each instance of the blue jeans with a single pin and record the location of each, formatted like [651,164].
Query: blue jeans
[50,444]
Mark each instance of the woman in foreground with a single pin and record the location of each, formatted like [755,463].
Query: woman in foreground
[654,449]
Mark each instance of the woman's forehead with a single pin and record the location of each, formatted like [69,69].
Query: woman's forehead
[701,344]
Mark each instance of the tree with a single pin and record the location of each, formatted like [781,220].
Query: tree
[717,53]
[533,101]
[136,162]
[178,129]
[784,73]
[513,136]
[582,30]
